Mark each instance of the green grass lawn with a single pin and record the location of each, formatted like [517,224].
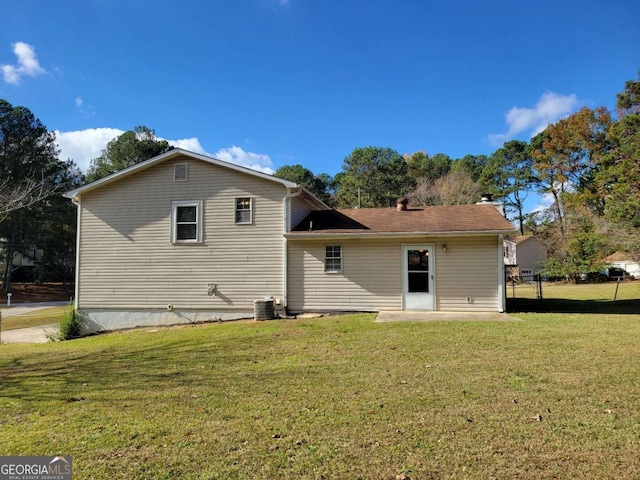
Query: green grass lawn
[45,316]
[608,297]
[629,290]
[553,396]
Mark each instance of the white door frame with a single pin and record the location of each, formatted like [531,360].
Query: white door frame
[422,300]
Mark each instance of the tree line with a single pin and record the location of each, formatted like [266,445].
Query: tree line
[586,167]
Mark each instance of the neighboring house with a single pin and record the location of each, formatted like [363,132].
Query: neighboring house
[624,261]
[24,261]
[509,250]
[525,254]
[183,237]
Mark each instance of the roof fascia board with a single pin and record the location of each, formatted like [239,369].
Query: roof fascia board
[167,156]
[332,236]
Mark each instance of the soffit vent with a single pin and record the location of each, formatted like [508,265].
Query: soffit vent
[180,172]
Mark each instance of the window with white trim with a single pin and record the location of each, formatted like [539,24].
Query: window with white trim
[244,210]
[333,259]
[186,221]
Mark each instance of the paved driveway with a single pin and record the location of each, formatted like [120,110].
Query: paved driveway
[31,334]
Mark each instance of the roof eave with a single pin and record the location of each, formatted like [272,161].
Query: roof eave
[348,235]
[176,152]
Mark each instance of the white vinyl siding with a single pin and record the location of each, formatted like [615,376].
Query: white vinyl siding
[126,260]
[372,274]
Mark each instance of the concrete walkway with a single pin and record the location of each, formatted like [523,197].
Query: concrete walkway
[31,334]
[412,316]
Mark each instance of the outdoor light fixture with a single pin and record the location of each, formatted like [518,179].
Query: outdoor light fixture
[444,247]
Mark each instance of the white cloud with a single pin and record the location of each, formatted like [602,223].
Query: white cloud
[545,201]
[191,144]
[82,146]
[550,108]
[79,102]
[233,154]
[238,156]
[27,64]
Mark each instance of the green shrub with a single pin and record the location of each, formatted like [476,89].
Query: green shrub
[69,327]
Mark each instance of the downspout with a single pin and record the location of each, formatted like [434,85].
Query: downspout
[286,206]
[501,293]
[76,202]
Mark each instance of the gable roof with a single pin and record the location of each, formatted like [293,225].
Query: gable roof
[438,220]
[171,154]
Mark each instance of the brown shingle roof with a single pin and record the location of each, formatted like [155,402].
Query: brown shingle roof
[435,220]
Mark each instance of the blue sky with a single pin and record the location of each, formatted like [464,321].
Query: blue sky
[266,83]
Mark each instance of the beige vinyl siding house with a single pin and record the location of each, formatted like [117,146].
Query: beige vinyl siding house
[132,271]
[431,258]
[363,285]
[184,237]
[526,254]
[465,274]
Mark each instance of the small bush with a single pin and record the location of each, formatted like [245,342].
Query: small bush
[69,327]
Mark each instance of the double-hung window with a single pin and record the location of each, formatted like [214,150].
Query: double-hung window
[333,259]
[186,221]
[244,210]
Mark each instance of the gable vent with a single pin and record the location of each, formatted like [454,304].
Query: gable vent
[180,172]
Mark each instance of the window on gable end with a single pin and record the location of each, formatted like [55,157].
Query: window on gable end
[244,210]
[186,221]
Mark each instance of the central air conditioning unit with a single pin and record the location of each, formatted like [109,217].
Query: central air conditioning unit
[264,309]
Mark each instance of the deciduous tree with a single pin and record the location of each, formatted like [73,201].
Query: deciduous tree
[564,155]
[454,188]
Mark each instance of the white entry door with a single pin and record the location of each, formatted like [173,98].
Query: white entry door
[418,277]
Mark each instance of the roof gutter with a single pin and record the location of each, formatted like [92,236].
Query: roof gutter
[351,235]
